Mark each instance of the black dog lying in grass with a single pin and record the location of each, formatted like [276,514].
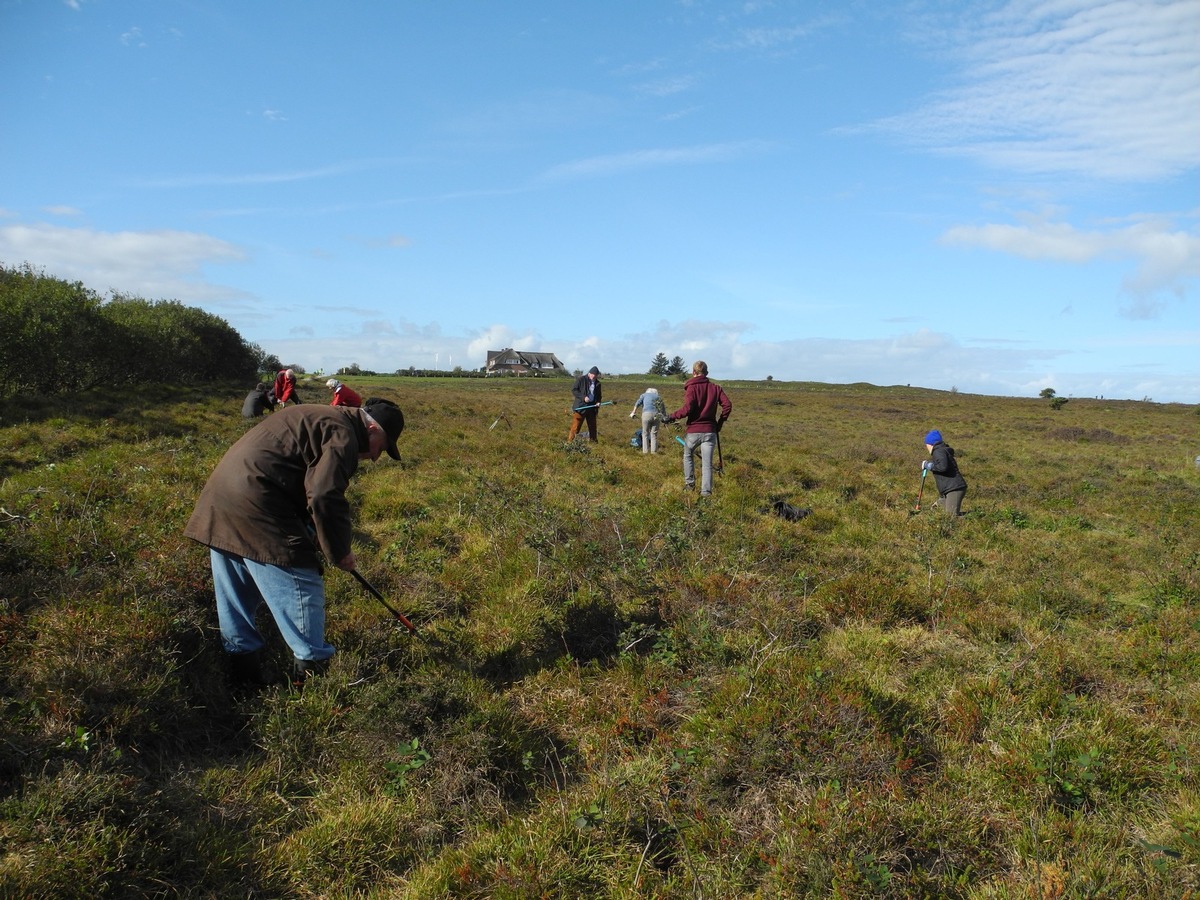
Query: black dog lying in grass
[786,511]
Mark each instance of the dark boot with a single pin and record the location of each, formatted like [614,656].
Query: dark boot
[245,670]
[305,669]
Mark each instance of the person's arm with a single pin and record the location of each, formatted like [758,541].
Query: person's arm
[726,407]
[325,483]
[939,463]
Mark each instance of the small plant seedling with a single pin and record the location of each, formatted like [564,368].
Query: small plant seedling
[412,757]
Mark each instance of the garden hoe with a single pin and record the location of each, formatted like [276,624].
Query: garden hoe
[913,512]
[396,614]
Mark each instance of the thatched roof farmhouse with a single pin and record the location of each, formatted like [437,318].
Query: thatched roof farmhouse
[523,362]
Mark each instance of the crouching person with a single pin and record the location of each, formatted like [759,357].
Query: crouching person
[951,485]
[273,505]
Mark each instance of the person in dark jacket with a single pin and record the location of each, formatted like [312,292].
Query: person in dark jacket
[952,487]
[273,505]
[258,401]
[706,407]
[586,391]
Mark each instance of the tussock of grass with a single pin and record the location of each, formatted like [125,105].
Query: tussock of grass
[621,690]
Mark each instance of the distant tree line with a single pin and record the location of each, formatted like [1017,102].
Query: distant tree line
[60,336]
[660,366]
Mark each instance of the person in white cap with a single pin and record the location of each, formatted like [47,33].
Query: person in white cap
[342,394]
[653,412]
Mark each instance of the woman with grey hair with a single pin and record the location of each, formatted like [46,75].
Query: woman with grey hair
[653,412]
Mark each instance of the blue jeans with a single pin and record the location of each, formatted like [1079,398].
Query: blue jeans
[296,598]
[706,441]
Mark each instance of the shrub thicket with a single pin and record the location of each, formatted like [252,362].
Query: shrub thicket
[62,337]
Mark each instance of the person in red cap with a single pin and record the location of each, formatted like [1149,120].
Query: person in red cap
[271,509]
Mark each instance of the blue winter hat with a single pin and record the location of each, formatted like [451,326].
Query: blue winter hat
[934,437]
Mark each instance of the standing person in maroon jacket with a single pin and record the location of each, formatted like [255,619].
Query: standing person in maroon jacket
[706,407]
[275,503]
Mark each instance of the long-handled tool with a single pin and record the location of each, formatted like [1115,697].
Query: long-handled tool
[720,461]
[920,492]
[399,616]
[594,405]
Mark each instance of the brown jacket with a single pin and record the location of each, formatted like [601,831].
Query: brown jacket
[294,464]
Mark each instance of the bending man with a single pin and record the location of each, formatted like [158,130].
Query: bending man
[274,502]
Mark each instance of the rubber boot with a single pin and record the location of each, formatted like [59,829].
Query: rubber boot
[305,669]
[245,670]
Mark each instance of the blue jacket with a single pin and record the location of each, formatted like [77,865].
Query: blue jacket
[649,402]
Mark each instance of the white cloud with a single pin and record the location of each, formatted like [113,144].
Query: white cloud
[921,358]
[157,265]
[133,38]
[1164,259]
[1106,90]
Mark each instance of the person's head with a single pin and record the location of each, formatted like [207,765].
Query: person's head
[593,373]
[385,422]
[699,367]
[289,374]
[333,384]
[933,439]
[651,390]
[262,386]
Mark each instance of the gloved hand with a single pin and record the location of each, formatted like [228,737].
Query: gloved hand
[926,466]
[631,415]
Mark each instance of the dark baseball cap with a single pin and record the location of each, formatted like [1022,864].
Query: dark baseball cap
[390,419]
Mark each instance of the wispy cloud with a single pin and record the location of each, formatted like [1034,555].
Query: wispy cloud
[615,164]
[768,38]
[1102,89]
[1165,257]
[133,38]
[667,87]
[214,180]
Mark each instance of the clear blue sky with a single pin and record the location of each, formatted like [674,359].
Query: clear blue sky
[997,197]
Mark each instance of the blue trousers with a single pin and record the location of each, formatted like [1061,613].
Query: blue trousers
[295,597]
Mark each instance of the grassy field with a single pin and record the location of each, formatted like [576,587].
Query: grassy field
[620,690]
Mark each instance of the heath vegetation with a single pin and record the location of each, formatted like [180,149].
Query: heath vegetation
[619,690]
